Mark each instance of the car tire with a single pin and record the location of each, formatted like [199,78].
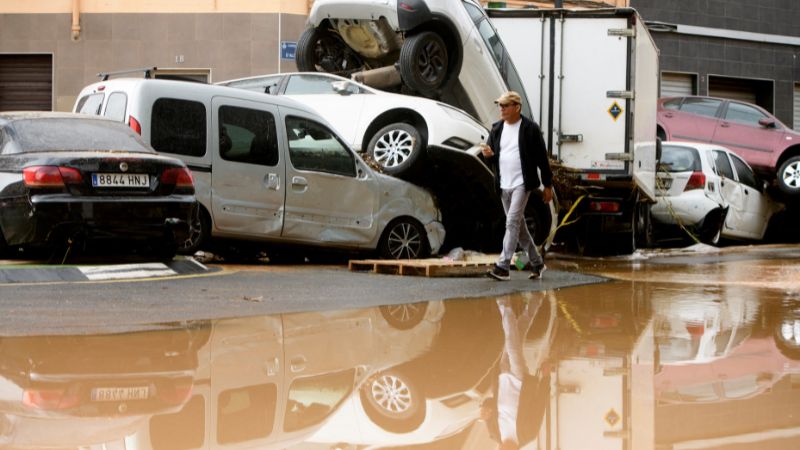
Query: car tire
[396,148]
[322,50]
[393,401]
[404,316]
[424,62]
[789,176]
[404,238]
[711,230]
[198,234]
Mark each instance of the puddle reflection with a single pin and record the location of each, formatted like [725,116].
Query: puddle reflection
[615,366]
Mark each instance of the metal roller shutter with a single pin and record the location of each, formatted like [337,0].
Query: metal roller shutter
[26,82]
[796,107]
[676,84]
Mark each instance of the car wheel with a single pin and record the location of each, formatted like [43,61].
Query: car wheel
[405,316]
[423,62]
[711,230]
[198,234]
[322,50]
[396,148]
[404,238]
[393,402]
[789,176]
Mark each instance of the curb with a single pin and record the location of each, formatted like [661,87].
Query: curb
[106,272]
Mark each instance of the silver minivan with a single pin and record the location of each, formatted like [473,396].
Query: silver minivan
[269,169]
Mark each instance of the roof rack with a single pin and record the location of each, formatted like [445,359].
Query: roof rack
[148,72]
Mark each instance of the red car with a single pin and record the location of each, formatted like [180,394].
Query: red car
[769,146]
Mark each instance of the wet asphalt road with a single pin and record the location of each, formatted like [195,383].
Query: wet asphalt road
[239,290]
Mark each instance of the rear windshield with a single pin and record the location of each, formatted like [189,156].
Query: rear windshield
[679,159]
[62,134]
[90,104]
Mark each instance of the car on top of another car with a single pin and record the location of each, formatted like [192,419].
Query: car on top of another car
[769,146]
[395,130]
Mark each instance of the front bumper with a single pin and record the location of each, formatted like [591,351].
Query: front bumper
[41,219]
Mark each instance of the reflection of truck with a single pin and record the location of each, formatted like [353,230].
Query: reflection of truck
[591,78]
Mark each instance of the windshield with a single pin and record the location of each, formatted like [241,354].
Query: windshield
[62,134]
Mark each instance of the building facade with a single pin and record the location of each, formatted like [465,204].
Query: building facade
[50,49]
[743,49]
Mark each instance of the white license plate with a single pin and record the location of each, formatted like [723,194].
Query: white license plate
[120,394]
[134,180]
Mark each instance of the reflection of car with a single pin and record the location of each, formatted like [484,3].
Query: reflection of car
[71,390]
[749,369]
[269,169]
[771,147]
[711,190]
[444,49]
[703,329]
[67,176]
[271,381]
[394,129]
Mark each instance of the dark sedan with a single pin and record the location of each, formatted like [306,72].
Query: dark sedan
[67,178]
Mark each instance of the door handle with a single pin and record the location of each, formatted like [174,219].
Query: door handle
[298,364]
[668,115]
[299,183]
[273,181]
[725,125]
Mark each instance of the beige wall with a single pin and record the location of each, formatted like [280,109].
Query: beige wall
[155,6]
[231,45]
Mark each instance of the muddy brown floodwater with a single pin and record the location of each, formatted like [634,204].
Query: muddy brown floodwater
[694,353]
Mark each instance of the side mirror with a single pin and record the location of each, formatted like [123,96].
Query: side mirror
[767,123]
[342,87]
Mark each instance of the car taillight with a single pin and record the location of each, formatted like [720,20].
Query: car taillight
[179,176]
[604,206]
[49,399]
[696,181]
[50,176]
[135,126]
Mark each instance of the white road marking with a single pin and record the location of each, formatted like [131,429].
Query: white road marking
[124,271]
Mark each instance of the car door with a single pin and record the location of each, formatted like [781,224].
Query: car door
[695,119]
[756,210]
[247,178]
[739,130]
[331,196]
[342,107]
[731,192]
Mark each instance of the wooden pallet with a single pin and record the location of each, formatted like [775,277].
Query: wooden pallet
[431,267]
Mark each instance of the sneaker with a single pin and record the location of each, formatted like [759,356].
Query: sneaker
[498,273]
[536,272]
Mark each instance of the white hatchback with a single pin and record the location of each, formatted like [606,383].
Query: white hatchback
[395,130]
[711,191]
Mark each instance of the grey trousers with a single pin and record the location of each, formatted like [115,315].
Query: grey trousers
[514,202]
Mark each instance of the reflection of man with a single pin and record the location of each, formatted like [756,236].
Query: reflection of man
[502,413]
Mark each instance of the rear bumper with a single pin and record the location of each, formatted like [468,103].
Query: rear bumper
[42,218]
[691,210]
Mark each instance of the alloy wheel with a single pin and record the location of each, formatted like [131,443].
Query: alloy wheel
[393,148]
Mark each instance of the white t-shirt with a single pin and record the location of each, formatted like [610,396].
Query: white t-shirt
[510,163]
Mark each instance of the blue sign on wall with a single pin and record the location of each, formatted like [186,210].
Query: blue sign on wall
[287,49]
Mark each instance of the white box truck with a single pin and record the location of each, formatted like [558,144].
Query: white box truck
[591,78]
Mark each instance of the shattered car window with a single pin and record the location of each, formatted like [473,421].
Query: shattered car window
[58,134]
[313,147]
[680,159]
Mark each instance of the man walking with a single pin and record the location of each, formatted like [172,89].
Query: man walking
[516,149]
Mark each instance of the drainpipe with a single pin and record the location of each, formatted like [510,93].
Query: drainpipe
[76,19]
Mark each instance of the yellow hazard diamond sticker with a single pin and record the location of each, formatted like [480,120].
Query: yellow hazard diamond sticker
[612,417]
[615,111]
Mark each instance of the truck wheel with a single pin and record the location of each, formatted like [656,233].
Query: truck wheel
[423,62]
[321,50]
[404,238]
[396,148]
[643,226]
[789,176]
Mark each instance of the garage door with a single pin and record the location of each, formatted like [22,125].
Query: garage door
[26,82]
[796,107]
[677,84]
